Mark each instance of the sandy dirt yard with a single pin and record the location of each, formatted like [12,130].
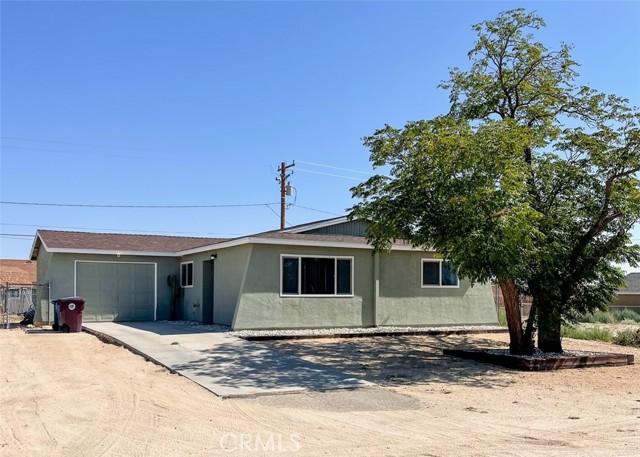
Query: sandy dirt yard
[72,395]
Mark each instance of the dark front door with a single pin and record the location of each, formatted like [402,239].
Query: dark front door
[207,291]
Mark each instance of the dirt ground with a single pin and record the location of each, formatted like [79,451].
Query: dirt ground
[72,395]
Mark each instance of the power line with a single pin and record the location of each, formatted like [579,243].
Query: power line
[18,238]
[316,210]
[335,168]
[166,232]
[329,174]
[84,145]
[84,153]
[15,234]
[73,205]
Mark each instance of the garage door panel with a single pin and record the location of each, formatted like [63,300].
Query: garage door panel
[116,291]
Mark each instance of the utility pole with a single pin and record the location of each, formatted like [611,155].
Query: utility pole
[283,190]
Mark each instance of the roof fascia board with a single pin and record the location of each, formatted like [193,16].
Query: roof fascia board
[291,242]
[35,242]
[113,252]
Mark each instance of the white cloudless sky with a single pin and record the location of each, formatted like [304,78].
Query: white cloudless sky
[197,103]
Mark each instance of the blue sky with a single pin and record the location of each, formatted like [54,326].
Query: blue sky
[197,103]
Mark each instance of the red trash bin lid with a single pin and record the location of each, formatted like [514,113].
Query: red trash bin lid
[67,300]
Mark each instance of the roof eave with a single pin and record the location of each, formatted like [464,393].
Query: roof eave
[114,252]
[292,242]
[35,247]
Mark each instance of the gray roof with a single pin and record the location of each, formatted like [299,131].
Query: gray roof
[633,284]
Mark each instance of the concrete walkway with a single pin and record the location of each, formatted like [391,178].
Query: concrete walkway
[226,365]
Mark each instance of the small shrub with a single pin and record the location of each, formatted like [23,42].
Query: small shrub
[502,317]
[593,333]
[603,317]
[586,318]
[628,338]
[621,315]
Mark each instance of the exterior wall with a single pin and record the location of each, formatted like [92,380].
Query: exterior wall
[261,306]
[58,270]
[403,301]
[43,263]
[229,268]
[631,301]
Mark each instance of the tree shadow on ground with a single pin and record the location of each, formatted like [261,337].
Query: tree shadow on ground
[342,363]
[401,360]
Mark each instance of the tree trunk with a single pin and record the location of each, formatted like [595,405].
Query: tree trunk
[517,340]
[549,329]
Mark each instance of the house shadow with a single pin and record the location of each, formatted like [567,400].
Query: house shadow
[239,365]
[165,328]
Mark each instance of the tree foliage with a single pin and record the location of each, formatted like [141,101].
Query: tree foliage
[529,179]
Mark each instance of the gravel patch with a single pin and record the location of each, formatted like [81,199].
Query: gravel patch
[368,331]
[216,328]
[341,331]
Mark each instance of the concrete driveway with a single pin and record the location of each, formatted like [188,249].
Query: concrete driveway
[226,365]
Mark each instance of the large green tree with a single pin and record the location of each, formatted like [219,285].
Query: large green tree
[530,179]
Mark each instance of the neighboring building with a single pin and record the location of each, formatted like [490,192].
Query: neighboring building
[322,274]
[629,296]
[17,285]
[22,272]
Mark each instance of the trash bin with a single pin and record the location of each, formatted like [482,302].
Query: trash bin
[70,313]
[57,319]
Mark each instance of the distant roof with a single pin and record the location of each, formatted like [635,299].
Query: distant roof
[17,271]
[112,242]
[633,284]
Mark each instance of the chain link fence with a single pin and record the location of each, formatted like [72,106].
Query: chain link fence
[18,299]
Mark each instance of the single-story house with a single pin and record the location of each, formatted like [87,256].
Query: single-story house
[321,274]
[629,296]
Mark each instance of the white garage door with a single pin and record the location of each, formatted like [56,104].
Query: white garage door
[117,291]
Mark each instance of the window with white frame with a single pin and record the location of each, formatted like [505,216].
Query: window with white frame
[319,275]
[186,274]
[438,273]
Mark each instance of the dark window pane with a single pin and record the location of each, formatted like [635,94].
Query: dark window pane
[430,273]
[318,276]
[289,276]
[344,276]
[186,274]
[449,278]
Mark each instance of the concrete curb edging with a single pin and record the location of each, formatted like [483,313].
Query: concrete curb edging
[533,363]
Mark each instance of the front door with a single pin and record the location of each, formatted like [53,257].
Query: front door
[207,291]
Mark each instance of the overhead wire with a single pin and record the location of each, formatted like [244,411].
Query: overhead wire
[335,168]
[329,174]
[166,232]
[80,205]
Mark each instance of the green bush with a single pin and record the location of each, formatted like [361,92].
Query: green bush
[628,338]
[502,317]
[592,333]
[603,317]
[621,315]
[586,318]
